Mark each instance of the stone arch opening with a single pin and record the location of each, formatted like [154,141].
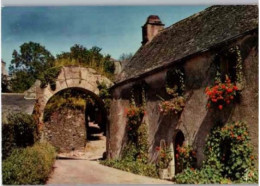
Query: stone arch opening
[73,117]
[86,79]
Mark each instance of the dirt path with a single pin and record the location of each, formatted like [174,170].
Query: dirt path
[91,172]
[82,167]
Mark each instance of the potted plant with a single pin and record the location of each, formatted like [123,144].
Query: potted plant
[163,161]
[174,105]
[221,94]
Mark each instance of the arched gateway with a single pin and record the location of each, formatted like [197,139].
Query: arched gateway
[71,77]
[74,77]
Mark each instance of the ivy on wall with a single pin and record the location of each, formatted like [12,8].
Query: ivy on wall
[239,66]
[134,156]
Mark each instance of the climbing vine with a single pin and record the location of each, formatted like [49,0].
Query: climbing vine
[134,115]
[134,156]
[36,116]
[239,66]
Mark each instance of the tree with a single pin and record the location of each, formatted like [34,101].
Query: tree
[80,55]
[125,58]
[27,65]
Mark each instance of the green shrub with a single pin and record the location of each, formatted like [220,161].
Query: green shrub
[132,166]
[104,94]
[30,165]
[135,156]
[19,131]
[228,158]
[206,175]
[229,147]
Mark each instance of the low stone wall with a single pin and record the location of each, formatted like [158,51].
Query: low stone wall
[66,130]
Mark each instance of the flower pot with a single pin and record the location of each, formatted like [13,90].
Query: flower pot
[163,173]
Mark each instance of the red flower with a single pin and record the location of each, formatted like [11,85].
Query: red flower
[177,156]
[157,148]
[227,101]
[178,147]
[231,97]
[192,168]
[235,87]
[220,107]
[214,100]
[229,90]
[126,111]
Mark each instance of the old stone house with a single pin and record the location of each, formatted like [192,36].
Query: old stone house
[199,46]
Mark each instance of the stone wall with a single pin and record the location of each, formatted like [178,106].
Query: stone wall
[195,121]
[66,130]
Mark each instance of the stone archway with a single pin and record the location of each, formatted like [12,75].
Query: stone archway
[73,129]
[69,77]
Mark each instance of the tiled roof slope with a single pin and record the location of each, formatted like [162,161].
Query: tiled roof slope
[193,34]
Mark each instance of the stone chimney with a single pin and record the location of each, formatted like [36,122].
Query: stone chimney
[152,27]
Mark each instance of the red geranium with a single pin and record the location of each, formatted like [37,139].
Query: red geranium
[221,94]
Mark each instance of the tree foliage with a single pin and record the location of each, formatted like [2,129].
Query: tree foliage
[125,58]
[27,65]
[5,83]
[80,55]
[33,62]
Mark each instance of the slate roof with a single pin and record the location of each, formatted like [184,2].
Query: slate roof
[191,35]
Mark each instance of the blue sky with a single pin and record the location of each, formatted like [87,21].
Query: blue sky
[115,29]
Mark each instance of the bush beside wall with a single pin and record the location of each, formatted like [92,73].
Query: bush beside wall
[19,130]
[31,165]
